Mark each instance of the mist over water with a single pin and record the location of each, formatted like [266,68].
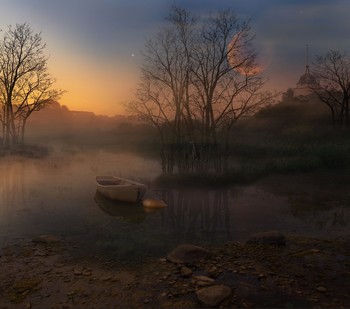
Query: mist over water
[57,195]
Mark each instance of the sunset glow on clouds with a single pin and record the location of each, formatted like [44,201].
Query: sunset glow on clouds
[95,45]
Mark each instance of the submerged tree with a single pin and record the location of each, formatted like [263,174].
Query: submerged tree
[198,79]
[333,74]
[25,84]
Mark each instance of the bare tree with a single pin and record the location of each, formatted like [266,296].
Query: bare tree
[163,95]
[226,79]
[333,74]
[24,81]
[198,79]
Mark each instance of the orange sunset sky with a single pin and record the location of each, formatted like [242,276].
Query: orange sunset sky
[95,45]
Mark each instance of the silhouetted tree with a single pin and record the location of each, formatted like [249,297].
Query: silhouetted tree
[164,94]
[198,79]
[226,80]
[25,84]
[333,74]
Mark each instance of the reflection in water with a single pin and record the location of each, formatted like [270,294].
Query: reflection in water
[325,210]
[197,213]
[130,212]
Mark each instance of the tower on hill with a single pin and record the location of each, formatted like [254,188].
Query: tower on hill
[307,82]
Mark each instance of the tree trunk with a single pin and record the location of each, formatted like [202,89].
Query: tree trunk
[23,129]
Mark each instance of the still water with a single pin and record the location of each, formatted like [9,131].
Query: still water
[58,196]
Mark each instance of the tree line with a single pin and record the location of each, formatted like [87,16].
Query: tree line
[199,76]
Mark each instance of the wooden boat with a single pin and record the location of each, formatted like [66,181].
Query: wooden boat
[120,189]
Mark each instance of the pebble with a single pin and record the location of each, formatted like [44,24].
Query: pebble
[213,271]
[203,280]
[261,276]
[46,239]
[185,271]
[40,253]
[45,271]
[321,289]
[71,293]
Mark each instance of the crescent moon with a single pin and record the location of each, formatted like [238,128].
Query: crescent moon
[236,55]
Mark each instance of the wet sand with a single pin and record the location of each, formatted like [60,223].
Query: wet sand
[305,273]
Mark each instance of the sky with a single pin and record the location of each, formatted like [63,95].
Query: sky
[95,45]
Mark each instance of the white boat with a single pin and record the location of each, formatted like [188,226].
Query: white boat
[120,189]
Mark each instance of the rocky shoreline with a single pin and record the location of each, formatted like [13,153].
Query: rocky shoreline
[270,270]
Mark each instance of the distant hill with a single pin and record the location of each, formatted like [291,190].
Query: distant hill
[57,121]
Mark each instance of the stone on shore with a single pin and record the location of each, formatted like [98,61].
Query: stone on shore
[212,296]
[46,239]
[187,254]
[268,238]
[185,271]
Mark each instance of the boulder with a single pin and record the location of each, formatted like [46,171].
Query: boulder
[212,296]
[187,254]
[269,238]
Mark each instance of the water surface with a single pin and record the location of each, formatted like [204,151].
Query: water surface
[58,196]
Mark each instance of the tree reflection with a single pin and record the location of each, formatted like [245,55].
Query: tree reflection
[197,213]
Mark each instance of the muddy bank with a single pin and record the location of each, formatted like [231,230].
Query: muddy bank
[304,273]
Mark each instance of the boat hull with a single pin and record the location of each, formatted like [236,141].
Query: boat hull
[120,189]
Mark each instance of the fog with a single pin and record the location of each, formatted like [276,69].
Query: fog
[56,124]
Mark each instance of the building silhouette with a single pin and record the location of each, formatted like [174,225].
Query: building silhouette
[307,83]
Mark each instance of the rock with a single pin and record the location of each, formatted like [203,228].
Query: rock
[212,296]
[78,271]
[46,239]
[321,289]
[187,254]
[185,271]
[153,203]
[203,281]
[261,276]
[213,271]
[270,238]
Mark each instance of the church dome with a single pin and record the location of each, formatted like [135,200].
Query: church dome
[307,79]
[306,85]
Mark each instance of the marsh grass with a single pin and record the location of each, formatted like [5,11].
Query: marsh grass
[253,160]
[290,152]
[28,151]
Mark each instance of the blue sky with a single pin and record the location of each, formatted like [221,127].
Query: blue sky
[94,45]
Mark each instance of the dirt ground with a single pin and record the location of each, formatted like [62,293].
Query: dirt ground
[304,273]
